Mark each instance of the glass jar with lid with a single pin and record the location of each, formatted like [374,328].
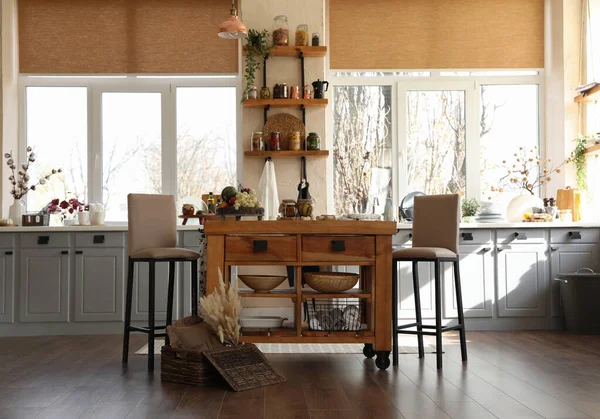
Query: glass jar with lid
[257,143]
[302,35]
[313,141]
[295,141]
[281,33]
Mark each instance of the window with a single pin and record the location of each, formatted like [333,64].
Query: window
[56,129]
[440,132]
[144,135]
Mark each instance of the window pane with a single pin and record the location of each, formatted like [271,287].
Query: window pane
[509,121]
[362,150]
[206,140]
[131,148]
[57,131]
[435,134]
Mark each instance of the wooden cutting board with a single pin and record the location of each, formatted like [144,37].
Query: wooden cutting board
[569,199]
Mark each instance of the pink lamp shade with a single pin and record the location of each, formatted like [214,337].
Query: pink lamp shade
[233,27]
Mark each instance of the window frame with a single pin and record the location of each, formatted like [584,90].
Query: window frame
[435,81]
[97,85]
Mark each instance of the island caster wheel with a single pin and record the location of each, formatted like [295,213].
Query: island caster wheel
[383,360]
[368,350]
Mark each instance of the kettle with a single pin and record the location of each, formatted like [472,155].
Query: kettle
[319,88]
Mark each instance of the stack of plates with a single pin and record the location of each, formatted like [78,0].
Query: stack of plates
[490,217]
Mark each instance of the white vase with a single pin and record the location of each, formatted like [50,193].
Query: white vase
[15,211]
[521,204]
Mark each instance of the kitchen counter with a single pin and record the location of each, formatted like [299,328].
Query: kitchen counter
[83,229]
[557,224]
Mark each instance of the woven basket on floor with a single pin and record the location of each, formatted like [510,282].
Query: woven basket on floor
[186,367]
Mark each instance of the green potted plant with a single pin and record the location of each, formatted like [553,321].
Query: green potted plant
[469,209]
[258,47]
[578,158]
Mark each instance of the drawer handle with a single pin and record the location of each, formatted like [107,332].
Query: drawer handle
[79,252]
[574,235]
[486,249]
[553,248]
[521,236]
[259,245]
[99,239]
[338,245]
[64,252]
[43,239]
[8,253]
[501,249]
[410,236]
[467,236]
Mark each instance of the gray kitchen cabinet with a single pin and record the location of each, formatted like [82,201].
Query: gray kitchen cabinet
[139,310]
[522,280]
[566,258]
[406,298]
[477,280]
[44,285]
[7,285]
[99,276]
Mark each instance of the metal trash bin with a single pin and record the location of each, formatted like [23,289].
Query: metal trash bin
[580,293]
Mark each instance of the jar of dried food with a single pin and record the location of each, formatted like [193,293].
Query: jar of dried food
[252,93]
[315,39]
[275,141]
[281,34]
[289,209]
[295,141]
[258,142]
[313,141]
[265,93]
[302,35]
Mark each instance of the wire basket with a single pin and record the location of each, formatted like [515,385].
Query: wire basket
[334,315]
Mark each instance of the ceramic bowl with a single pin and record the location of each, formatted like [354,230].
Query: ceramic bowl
[262,283]
[331,282]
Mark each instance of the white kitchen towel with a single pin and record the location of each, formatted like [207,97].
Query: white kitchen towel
[268,191]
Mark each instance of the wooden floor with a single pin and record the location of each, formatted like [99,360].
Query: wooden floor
[509,375]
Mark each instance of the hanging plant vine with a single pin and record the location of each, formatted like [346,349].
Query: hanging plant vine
[578,158]
[258,44]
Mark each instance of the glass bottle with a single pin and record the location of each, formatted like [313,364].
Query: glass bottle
[281,34]
[302,35]
[211,203]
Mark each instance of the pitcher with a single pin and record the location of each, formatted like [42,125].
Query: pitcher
[319,88]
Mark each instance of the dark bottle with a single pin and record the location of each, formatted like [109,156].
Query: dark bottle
[210,202]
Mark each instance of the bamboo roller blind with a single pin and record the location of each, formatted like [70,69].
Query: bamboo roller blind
[436,34]
[124,36]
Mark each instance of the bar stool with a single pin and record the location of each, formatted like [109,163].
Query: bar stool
[435,239]
[152,238]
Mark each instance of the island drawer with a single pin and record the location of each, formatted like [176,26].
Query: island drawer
[44,239]
[99,239]
[338,248]
[575,235]
[260,248]
[521,236]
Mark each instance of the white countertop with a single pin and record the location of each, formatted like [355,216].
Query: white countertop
[556,224]
[83,229]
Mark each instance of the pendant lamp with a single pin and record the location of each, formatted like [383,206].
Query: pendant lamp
[233,27]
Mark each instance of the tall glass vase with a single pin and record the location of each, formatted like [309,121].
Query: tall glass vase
[15,211]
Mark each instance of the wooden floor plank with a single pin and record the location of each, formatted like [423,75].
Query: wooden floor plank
[244,404]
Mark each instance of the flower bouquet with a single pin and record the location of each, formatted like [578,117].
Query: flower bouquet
[244,202]
[66,209]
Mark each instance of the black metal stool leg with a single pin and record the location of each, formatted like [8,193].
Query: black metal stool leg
[194,287]
[438,314]
[170,293]
[128,298]
[418,315]
[394,312]
[151,308]
[461,315]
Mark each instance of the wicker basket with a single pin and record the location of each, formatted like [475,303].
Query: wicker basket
[186,367]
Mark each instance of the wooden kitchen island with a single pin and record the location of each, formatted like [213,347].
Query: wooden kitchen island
[297,243]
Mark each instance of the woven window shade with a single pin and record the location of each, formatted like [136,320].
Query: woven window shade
[124,36]
[436,34]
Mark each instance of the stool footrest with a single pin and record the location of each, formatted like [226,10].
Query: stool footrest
[406,326]
[145,329]
[400,329]
[415,332]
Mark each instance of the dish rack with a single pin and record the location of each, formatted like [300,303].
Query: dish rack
[335,315]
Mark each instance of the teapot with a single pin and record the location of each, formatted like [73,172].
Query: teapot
[319,88]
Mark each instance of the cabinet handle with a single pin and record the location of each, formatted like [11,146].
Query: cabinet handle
[521,236]
[410,236]
[486,249]
[79,252]
[553,248]
[43,239]
[467,236]
[8,253]
[338,245]
[501,249]
[99,239]
[574,235]
[64,252]
[259,245]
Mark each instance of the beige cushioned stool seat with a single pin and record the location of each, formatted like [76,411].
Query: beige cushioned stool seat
[423,253]
[165,253]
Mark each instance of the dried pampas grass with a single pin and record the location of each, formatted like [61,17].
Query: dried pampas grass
[221,309]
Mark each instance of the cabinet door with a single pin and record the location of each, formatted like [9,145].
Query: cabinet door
[406,298]
[44,282]
[99,277]
[477,282]
[186,284]
[140,292]
[566,258]
[7,281]
[521,281]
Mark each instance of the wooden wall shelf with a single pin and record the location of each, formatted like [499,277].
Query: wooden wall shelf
[593,149]
[293,51]
[285,103]
[580,98]
[287,154]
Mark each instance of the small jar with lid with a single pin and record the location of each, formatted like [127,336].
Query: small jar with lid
[257,143]
[281,33]
[289,209]
[265,93]
[295,141]
[274,144]
[302,35]
[313,141]
[316,41]
[253,93]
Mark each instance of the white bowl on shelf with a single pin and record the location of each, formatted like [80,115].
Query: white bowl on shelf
[262,322]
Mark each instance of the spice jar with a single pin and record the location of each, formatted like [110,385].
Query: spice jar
[281,32]
[275,140]
[295,141]
[289,209]
[307,92]
[302,35]
[313,141]
[284,91]
[265,93]
[252,93]
[315,39]
[294,92]
[257,142]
